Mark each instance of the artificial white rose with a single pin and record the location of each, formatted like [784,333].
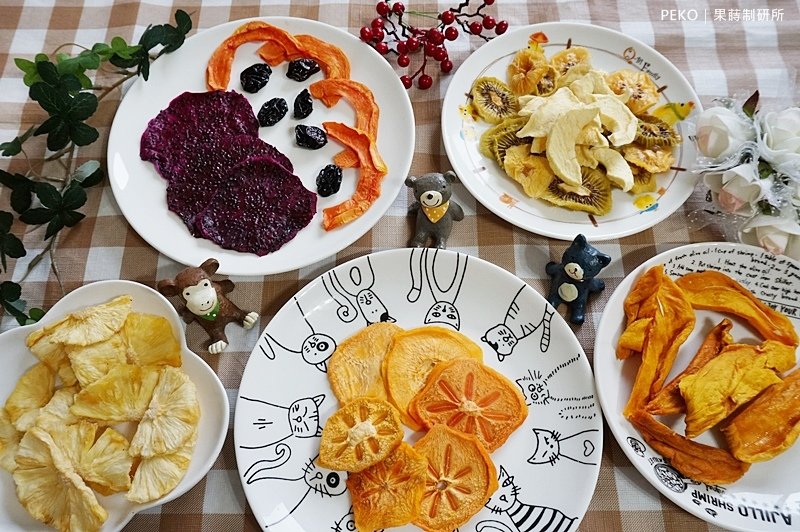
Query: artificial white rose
[737,190]
[779,139]
[776,234]
[720,132]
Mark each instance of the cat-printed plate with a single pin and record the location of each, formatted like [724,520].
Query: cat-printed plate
[547,469]
[767,497]
[609,51]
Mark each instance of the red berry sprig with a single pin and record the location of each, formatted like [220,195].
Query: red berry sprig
[390,33]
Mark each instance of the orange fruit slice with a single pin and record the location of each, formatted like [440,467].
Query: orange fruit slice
[412,357]
[461,478]
[472,398]
[389,493]
[354,370]
[360,434]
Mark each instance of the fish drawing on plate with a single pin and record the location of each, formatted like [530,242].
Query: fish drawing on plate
[524,517]
[518,324]
[319,480]
[549,447]
[537,390]
[443,283]
[276,423]
[316,348]
[355,295]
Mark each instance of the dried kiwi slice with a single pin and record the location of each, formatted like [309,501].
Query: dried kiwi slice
[497,139]
[652,131]
[592,196]
[643,181]
[493,100]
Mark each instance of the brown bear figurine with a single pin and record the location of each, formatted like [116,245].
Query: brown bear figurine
[205,302]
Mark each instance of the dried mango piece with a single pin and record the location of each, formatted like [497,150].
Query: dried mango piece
[669,399]
[359,435]
[354,369]
[769,425]
[389,493]
[412,357]
[632,338]
[699,462]
[461,478]
[712,290]
[673,320]
[738,374]
[472,398]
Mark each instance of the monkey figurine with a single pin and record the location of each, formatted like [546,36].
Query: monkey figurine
[205,302]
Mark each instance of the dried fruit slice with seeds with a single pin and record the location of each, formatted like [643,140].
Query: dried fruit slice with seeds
[122,395]
[472,398]
[49,487]
[360,434]
[171,416]
[461,478]
[389,493]
[33,390]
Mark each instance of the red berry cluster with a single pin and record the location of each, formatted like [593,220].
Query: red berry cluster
[389,33]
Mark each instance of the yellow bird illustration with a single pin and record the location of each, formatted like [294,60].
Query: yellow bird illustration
[674,112]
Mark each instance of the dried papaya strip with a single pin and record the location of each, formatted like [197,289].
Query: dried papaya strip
[332,59]
[699,462]
[330,91]
[713,290]
[273,53]
[218,72]
[669,399]
[372,170]
[673,321]
[347,158]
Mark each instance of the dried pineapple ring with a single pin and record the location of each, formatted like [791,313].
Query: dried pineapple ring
[654,160]
[157,476]
[389,493]
[122,395]
[150,340]
[55,414]
[354,369]
[360,434]
[92,362]
[472,398]
[171,417]
[92,324]
[50,489]
[9,442]
[643,92]
[412,357]
[106,466]
[461,478]
[33,390]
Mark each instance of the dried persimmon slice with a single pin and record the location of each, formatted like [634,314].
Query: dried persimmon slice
[461,478]
[412,357]
[472,398]
[389,493]
[360,434]
[354,369]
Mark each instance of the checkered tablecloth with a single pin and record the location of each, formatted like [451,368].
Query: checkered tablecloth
[732,48]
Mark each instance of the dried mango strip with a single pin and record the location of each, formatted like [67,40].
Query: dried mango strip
[699,462]
[673,320]
[669,399]
[712,290]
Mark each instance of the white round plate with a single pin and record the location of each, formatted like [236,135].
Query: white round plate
[213,425]
[610,51]
[284,398]
[141,192]
[767,497]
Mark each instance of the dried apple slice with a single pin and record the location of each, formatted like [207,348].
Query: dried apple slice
[472,398]
[360,434]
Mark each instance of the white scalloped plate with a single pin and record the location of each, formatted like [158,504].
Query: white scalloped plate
[213,425]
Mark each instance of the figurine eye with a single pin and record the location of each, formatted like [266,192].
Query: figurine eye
[186,294]
[206,284]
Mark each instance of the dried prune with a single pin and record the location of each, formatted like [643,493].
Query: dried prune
[302,69]
[303,105]
[329,180]
[255,77]
[310,137]
[272,112]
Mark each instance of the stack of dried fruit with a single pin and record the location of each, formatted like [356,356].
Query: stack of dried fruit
[736,386]
[114,366]
[567,133]
[428,378]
